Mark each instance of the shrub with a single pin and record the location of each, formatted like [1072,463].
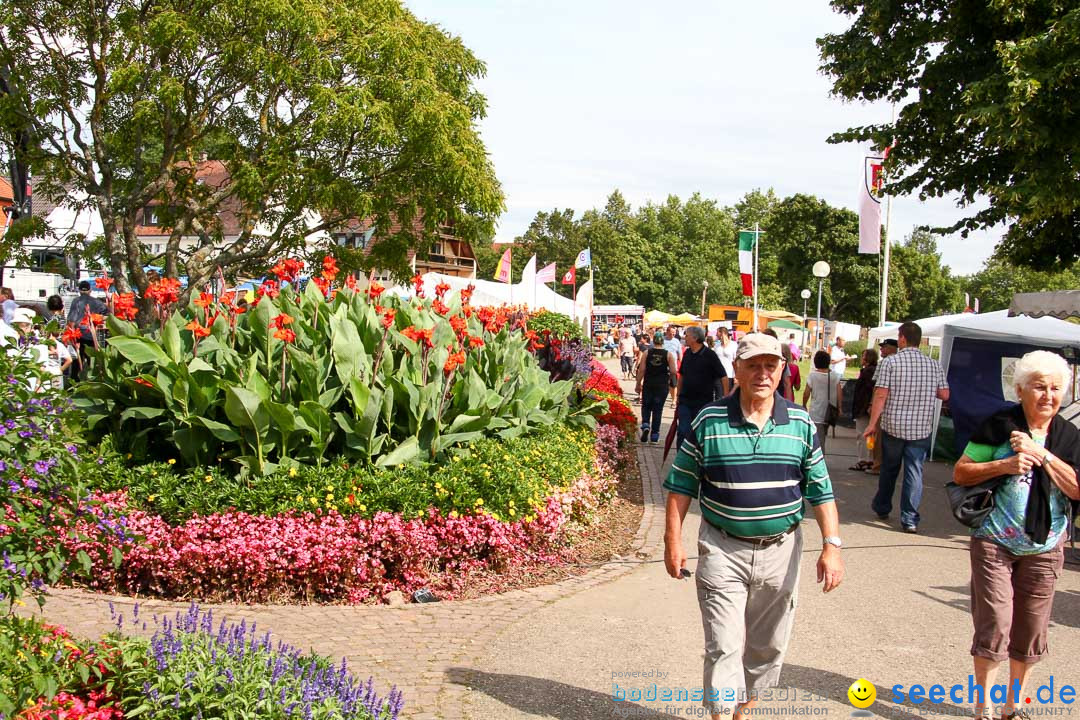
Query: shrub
[299,378]
[559,325]
[38,479]
[510,478]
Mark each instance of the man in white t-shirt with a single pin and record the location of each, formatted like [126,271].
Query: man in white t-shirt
[838,358]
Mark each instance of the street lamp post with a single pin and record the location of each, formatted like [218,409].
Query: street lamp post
[805,295]
[821,271]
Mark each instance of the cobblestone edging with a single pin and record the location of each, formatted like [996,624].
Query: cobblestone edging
[411,646]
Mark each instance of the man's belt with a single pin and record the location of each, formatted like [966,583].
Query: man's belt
[765,541]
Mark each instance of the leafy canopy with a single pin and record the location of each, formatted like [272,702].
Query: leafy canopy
[992,93]
[317,110]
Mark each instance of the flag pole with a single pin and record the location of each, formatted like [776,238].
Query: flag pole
[757,238]
[888,238]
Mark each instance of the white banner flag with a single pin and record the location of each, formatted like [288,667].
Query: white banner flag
[870,205]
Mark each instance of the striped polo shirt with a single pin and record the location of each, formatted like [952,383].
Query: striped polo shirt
[751,482]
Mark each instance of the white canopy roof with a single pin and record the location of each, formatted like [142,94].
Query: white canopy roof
[488,292]
[933,329]
[1020,329]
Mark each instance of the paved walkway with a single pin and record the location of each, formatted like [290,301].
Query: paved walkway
[554,652]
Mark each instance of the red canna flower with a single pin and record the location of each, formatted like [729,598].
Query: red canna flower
[441,289]
[350,282]
[466,294]
[458,324]
[417,335]
[269,288]
[142,381]
[330,268]
[199,331]
[165,291]
[375,289]
[322,283]
[439,306]
[71,335]
[475,342]
[418,284]
[454,361]
[285,334]
[103,283]
[388,318]
[93,319]
[204,300]
[124,306]
[281,321]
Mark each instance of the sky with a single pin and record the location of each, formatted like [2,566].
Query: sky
[659,98]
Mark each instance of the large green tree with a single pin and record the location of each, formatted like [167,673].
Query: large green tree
[923,286]
[989,96]
[344,108]
[998,280]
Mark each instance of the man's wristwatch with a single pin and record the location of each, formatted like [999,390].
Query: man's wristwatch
[832,540]
[1049,457]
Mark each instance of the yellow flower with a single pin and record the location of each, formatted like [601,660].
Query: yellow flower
[314,501]
[172,461]
[453,514]
[363,507]
[438,485]
[129,456]
[512,513]
[457,458]
[479,501]
[329,497]
[151,498]
[209,478]
[292,472]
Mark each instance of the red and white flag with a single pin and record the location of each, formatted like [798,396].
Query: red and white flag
[568,278]
[546,274]
[870,204]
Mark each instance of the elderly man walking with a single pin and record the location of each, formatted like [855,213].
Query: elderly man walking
[905,387]
[751,460]
[702,379]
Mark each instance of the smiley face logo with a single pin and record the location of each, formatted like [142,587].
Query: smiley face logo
[862,694]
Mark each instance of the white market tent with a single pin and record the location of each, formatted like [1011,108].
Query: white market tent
[488,292]
[1060,304]
[933,329]
[978,352]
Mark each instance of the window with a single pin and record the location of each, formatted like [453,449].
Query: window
[150,215]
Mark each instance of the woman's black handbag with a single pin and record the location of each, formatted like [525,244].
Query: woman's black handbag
[972,503]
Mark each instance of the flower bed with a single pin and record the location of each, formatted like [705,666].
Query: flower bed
[190,667]
[336,557]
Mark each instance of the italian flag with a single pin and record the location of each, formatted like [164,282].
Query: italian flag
[746,262]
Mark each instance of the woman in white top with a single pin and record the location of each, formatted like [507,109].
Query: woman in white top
[822,390]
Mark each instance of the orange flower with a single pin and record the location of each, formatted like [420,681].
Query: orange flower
[441,289]
[269,288]
[475,342]
[466,294]
[71,335]
[199,331]
[205,300]
[439,306]
[454,361]
[375,289]
[124,306]
[388,318]
[93,319]
[103,283]
[458,324]
[418,284]
[281,321]
[350,282]
[417,335]
[285,334]
[330,268]
[165,291]
[322,283]
[142,381]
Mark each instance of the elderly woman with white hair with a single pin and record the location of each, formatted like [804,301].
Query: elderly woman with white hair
[1017,553]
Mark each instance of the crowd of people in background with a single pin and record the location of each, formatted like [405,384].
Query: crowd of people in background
[55,339]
